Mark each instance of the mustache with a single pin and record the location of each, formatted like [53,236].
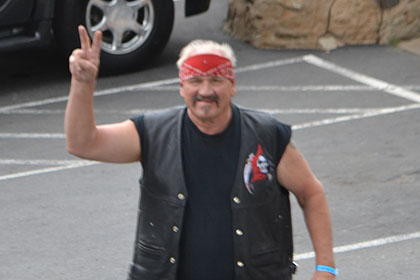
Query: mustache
[212,97]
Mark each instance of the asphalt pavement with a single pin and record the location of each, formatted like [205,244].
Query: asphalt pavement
[355,113]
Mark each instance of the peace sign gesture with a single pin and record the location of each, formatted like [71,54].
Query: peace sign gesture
[84,62]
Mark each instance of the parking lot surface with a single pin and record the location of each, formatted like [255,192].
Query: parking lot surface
[355,114]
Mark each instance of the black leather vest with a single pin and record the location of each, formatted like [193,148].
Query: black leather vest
[262,230]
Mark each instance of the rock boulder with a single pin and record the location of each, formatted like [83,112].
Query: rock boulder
[298,24]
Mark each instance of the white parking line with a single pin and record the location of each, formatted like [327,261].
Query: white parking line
[271,64]
[356,116]
[32,135]
[47,170]
[40,162]
[364,245]
[364,79]
[33,103]
[97,93]
[34,111]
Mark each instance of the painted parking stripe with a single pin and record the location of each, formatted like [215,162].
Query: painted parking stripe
[46,170]
[41,162]
[32,135]
[384,111]
[97,93]
[364,79]
[271,64]
[364,245]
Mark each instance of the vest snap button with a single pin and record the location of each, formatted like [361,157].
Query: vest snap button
[172,260]
[181,196]
[240,264]
[236,200]
[239,232]
[175,229]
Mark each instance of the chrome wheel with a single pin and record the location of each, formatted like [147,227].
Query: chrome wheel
[125,24]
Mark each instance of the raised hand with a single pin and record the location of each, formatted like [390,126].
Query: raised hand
[84,62]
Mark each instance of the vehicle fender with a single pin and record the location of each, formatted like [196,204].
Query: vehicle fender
[193,7]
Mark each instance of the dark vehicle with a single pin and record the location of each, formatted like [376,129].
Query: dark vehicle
[134,31]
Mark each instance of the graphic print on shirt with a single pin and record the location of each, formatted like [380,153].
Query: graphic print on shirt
[257,170]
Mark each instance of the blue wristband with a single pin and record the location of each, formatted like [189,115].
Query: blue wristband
[326,268]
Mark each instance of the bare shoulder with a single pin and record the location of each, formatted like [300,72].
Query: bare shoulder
[293,171]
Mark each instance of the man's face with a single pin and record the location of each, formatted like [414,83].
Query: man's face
[208,97]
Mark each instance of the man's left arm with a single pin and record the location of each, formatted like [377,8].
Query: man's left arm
[294,173]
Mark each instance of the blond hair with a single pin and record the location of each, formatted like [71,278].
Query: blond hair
[206,46]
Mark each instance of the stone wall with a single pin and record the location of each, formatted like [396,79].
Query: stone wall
[322,24]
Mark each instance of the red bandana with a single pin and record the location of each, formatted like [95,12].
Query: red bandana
[206,64]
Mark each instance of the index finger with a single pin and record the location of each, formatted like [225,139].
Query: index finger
[84,38]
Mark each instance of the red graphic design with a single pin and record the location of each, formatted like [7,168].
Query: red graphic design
[257,169]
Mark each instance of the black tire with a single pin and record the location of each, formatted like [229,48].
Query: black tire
[71,13]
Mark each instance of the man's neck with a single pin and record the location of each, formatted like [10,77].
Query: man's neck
[214,125]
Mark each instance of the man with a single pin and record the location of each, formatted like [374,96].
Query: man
[216,177]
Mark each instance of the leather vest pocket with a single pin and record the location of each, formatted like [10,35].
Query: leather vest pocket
[268,257]
[270,265]
[150,251]
[149,262]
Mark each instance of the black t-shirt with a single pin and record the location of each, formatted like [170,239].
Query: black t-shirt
[209,163]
